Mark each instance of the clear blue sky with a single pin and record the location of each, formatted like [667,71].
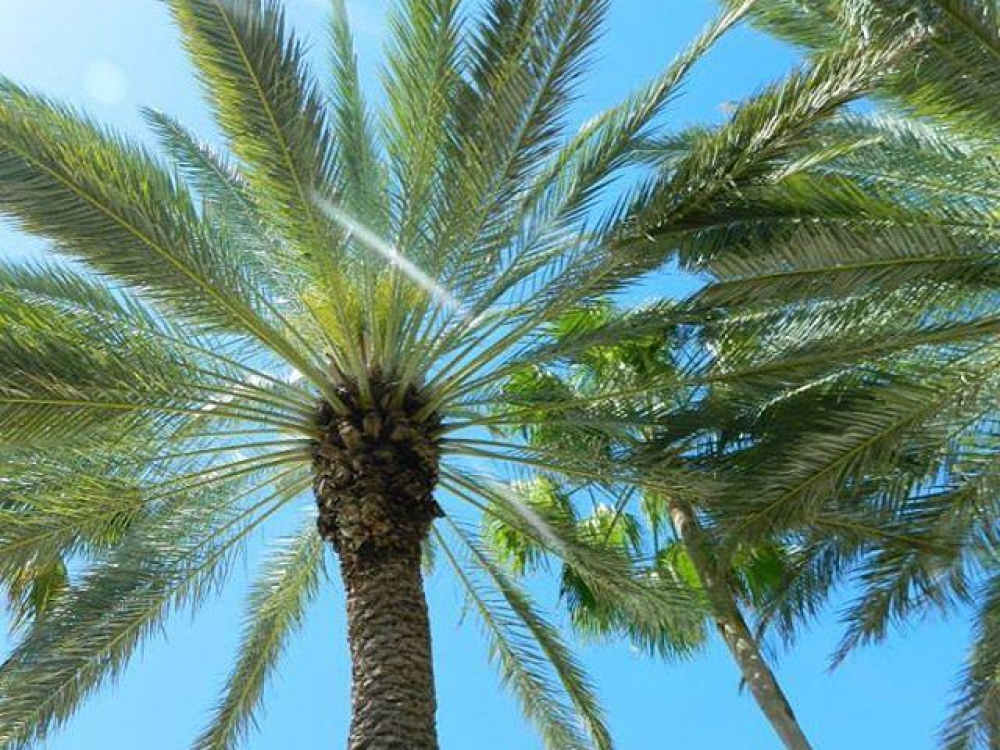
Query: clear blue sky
[110,57]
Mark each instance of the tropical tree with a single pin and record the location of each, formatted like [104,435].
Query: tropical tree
[335,303]
[329,305]
[663,531]
[850,339]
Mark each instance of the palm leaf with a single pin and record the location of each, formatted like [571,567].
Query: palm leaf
[164,564]
[275,609]
[513,630]
[255,76]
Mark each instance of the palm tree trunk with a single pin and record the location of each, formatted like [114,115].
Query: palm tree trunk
[734,630]
[393,701]
[374,484]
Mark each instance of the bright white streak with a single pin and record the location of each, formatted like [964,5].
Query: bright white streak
[411,270]
[534,520]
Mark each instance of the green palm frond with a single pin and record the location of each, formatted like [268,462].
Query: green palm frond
[89,637]
[64,375]
[860,432]
[422,86]
[364,179]
[50,509]
[109,204]
[520,94]
[273,115]
[228,206]
[207,171]
[276,607]
[752,149]
[518,552]
[975,721]
[608,141]
[913,158]
[33,590]
[655,605]
[953,76]
[513,627]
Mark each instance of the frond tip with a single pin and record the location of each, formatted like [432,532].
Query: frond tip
[275,609]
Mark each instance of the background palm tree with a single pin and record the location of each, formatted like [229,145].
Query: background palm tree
[332,306]
[851,340]
[663,531]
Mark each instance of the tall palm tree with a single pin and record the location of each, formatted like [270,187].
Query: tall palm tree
[335,305]
[331,306]
[853,338]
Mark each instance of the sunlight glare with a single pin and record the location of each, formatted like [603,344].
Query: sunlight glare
[390,254]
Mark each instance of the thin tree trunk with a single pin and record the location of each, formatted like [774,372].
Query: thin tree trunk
[392,694]
[734,630]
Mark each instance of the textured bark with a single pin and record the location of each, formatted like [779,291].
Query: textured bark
[393,700]
[734,630]
[375,476]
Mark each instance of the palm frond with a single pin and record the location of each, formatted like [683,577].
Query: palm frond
[753,147]
[975,719]
[364,178]
[608,141]
[269,108]
[58,364]
[275,609]
[953,72]
[515,631]
[165,564]
[107,203]
[422,82]
[657,604]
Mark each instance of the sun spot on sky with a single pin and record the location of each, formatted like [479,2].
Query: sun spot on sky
[106,83]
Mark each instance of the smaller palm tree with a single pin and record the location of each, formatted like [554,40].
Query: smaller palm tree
[639,378]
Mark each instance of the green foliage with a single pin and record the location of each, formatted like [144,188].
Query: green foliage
[273,115]
[276,607]
[640,371]
[851,341]
[177,558]
[543,498]
[159,394]
[952,75]
[526,646]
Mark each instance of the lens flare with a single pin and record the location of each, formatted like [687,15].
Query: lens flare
[393,256]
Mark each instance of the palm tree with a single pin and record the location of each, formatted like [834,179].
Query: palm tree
[619,372]
[336,305]
[852,337]
[333,305]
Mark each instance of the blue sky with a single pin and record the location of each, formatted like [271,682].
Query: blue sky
[110,57]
